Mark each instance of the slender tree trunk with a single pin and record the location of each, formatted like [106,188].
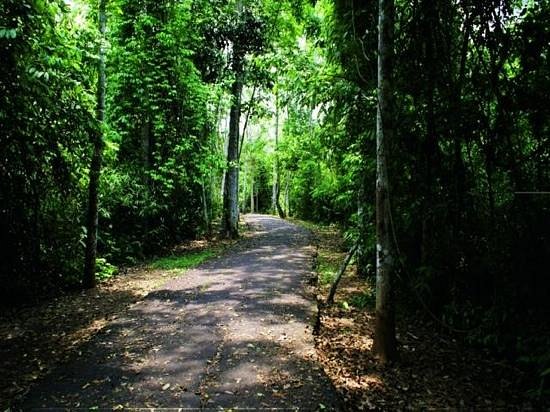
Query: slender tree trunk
[223,147]
[247,117]
[385,344]
[287,195]
[334,286]
[206,212]
[277,178]
[146,164]
[244,188]
[274,193]
[146,148]
[222,190]
[252,191]
[274,187]
[89,279]
[231,187]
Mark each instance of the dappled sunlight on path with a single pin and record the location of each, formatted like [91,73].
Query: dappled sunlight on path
[234,332]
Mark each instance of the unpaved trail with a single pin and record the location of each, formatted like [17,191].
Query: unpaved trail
[234,332]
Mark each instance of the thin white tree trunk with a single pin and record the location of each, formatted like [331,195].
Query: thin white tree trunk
[287,195]
[251,189]
[276,176]
[206,212]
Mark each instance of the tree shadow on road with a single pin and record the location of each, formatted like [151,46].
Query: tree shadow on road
[234,333]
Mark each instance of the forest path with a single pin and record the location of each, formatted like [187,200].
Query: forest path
[234,332]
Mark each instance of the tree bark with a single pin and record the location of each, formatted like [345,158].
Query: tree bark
[145,134]
[231,187]
[385,345]
[146,149]
[287,195]
[252,191]
[205,209]
[277,179]
[247,117]
[89,279]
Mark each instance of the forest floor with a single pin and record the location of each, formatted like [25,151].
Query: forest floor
[436,370]
[235,331]
[35,339]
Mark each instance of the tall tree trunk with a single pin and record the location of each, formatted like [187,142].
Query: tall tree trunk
[146,149]
[205,209]
[252,191]
[277,178]
[385,344]
[244,187]
[274,186]
[274,193]
[231,187]
[223,146]
[247,117]
[146,165]
[89,279]
[287,195]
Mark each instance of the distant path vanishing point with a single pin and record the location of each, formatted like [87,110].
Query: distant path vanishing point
[236,332]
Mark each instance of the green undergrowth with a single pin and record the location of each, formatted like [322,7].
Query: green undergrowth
[182,262]
[105,270]
[331,252]
[190,259]
[326,271]
[363,300]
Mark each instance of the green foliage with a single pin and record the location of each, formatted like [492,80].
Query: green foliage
[468,136]
[162,134]
[366,299]
[327,272]
[181,262]
[46,113]
[344,305]
[104,270]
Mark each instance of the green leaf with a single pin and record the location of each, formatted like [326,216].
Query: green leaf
[8,33]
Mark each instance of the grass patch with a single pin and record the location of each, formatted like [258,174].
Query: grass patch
[331,250]
[326,270]
[182,262]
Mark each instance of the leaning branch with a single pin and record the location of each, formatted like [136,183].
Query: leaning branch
[250,103]
[330,299]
